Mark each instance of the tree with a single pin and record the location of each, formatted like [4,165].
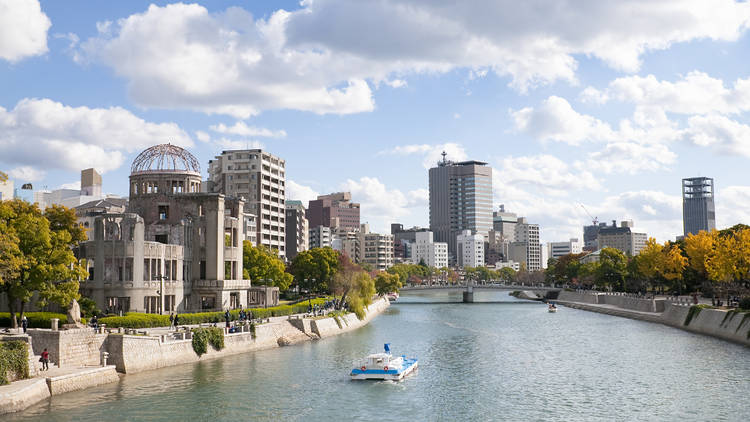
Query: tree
[612,268]
[730,259]
[346,278]
[264,267]
[39,256]
[386,283]
[650,261]
[673,266]
[507,274]
[313,269]
[361,293]
[698,248]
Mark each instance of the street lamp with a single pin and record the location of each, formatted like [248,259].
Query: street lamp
[160,292]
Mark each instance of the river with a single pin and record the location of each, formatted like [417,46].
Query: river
[492,361]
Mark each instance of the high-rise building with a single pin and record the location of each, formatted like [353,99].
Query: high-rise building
[624,238]
[424,249]
[591,236]
[526,247]
[6,190]
[297,231]
[698,211]
[504,223]
[320,237]
[460,199]
[335,210]
[403,240]
[375,249]
[260,179]
[91,190]
[558,249]
[469,249]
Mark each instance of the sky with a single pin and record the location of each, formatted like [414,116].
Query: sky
[574,104]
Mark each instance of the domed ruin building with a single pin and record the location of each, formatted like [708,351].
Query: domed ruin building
[175,249]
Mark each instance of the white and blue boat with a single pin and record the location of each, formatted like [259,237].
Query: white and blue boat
[383,366]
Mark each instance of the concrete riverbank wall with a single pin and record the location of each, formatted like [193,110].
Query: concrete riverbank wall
[723,324]
[132,354]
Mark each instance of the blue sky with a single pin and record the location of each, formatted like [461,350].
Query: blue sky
[608,104]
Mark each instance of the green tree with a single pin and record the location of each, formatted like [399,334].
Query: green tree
[386,283]
[361,293]
[345,280]
[264,267]
[42,258]
[314,269]
[507,274]
[612,268]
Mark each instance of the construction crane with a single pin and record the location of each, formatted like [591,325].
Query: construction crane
[594,220]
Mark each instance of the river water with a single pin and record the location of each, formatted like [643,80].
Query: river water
[493,361]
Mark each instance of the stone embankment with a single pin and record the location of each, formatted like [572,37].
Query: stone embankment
[723,324]
[74,349]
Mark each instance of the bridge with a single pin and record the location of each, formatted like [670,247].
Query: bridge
[468,288]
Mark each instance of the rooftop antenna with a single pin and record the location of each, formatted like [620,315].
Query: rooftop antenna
[444,154]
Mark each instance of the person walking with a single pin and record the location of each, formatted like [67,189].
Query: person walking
[176,321]
[45,360]
[24,324]
[227,317]
[95,322]
[171,320]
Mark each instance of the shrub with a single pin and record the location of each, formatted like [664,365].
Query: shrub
[36,319]
[136,320]
[694,311]
[202,337]
[88,307]
[745,303]
[14,359]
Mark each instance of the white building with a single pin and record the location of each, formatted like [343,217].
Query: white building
[469,249]
[509,264]
[91,190]
[6,190]
[260,179]
[526,247]
[320,237]
[424,249]
[558,249]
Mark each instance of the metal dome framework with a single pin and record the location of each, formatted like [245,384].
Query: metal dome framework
[165,158]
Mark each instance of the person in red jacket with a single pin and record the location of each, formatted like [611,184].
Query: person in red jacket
[45,360]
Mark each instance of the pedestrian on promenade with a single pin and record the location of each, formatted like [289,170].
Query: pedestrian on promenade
[171,320]
[176,321]
[227,317]
[250,315]
[24,324]
[45,360]
[95,322]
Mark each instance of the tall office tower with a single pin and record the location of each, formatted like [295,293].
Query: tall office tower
[335,210]
[297,232]
[91,183]
[259,178]
[460,199]
[526,247]
[698,211]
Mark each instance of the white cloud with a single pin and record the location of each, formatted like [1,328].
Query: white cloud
[431,153]
[72,185]
[26,174]
[545,172]
[300,192]
[46,134]
[202,136]
[227,144]
[694,93]
[241,128]
[555,120]
[396,83]
[630,157]
[725,135]
[732,206]
[23,29]
[381,206]
[320,58]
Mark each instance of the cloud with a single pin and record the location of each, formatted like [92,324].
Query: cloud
[725,135]
[241,128]
[227,144]
[23,29]
[630,158]
[732,206]
[555,120]
[324,56]
[431,153]
[45,134]
[545,172]
[72,185]
[694,93]
[300,192]
[381,206]
[26,174]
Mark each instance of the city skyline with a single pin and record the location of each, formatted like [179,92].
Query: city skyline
[603,116]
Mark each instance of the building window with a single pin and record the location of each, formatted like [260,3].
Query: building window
[162,238]
[163,212]
[151,304]
[208,302]
[234,300]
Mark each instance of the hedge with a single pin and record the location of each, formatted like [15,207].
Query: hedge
[36,319]
[139,320]
[204,336]
[14,358]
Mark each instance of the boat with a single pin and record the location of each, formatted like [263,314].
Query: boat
[392,297]
[552,308]
[383,366]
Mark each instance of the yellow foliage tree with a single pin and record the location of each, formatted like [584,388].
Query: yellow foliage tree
[673,264]
[730,259]
[698,248]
